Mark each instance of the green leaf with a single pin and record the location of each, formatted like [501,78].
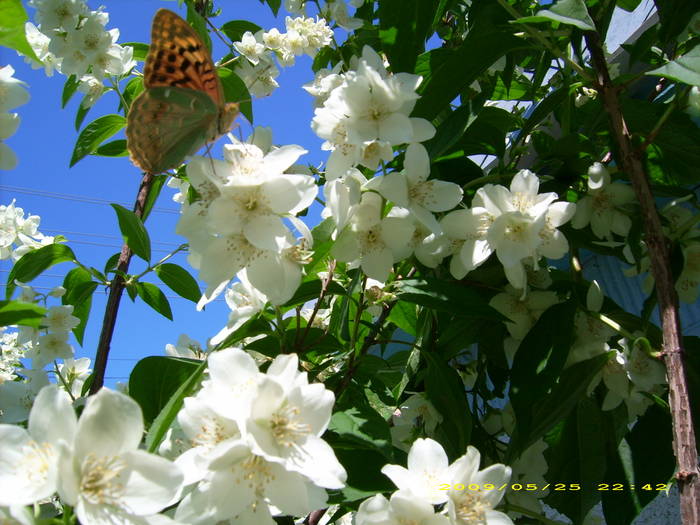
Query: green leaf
[154,298]
[69,89]
[364,427]
[628,5]
[404,315]
[235,90]
[80,115]
[451,130]
[445,390]
[403,29]
[134,232]
[448,72]
[12,33]
[556,405]
[79,289]
[576,454]
[132,90]
[95,134]
[674,16]
[274,5]
[140,50]
[179,281]
[685,68]
[235,29]
[541,356]
[155,379]
[116,148]
[199,24]
[20,313]
[32,263]
[157,184]
[570,12]
[453,297]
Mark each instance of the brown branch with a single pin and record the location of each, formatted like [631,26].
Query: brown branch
[631,161]
[324,289]
[116,288]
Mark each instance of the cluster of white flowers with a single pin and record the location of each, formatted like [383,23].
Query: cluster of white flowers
[93,463]
[363,114]
[19,234]
[467,495]
[73,39]
[336,10]
[519,225]
[249,443]
[19,385]
[238,222]
[12,94]
[303,36]
[11,351]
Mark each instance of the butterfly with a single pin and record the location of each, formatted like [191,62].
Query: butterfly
[182,107]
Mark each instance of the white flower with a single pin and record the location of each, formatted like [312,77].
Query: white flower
[74,373]
[40,45]
[410,188]
[428,468]
[325,81]
[273,39]
[466,239]
[57,14]
[250,48]
[245,301]
[92,87]
[104,475]
[17,397]
[523,312]
[12,90]
[415,416]
[287,418]
[186,347]
[338,11]
[50,347]
[30,457]
[259,78]
[602,206]
[60,319]
[402,508]
[469,506]
[372,242]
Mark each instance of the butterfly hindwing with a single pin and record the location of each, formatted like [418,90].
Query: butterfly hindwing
[178,57]
[166,124]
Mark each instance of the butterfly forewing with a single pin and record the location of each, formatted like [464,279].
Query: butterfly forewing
[178,57]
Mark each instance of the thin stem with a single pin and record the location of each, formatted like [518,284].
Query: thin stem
[279,326]
[324,289]
[180,248]
[62,380]
[116,288]
[631,161]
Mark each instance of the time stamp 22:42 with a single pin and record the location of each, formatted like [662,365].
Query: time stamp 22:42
[534,487]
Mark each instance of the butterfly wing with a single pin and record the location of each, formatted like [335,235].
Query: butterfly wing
[166,124]
[178,58]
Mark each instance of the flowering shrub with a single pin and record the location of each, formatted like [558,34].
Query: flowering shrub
[441,315]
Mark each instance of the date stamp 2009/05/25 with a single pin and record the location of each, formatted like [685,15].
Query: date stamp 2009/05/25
[557,487]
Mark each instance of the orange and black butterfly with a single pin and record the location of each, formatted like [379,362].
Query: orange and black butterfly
[182,107]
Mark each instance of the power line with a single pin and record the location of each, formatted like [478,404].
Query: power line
[76,198]
[102,235]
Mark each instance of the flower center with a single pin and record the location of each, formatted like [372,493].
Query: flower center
[471,509]
[285,427]
[36,460]
[99,483]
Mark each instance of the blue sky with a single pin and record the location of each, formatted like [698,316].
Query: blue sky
[75,201]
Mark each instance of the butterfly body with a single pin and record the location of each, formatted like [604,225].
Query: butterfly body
[182,107]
